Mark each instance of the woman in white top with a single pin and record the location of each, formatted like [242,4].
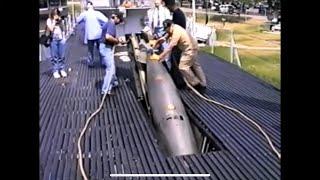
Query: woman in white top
[55,26]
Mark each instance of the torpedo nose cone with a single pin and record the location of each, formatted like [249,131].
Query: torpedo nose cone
[171,121]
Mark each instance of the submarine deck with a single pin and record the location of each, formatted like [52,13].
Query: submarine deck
[120,140]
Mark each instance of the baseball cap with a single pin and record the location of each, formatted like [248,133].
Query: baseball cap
[167,23]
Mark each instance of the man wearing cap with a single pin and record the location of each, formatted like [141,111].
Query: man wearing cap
[93,21]
[107,42]
[189,66]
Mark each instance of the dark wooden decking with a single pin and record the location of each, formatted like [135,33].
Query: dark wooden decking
[120,139]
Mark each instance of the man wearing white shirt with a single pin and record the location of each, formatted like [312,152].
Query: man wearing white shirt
[156,16]
[93,23]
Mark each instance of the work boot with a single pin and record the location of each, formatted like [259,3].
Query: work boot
[201,89]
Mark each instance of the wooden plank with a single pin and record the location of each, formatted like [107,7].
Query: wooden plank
[140,156]
[224,125]
[233,164]
[93,148]
[50,146]
[76,118]
[115,136]
[221,132]
[109,140]
[174,168]
[104,144]
[46,133]
[99,154]
[147,134]
[130,146]
[215,168]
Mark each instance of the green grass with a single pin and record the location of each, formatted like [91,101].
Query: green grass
[218,18]
[222,52]
[262,64]
[252,35]
[223,35]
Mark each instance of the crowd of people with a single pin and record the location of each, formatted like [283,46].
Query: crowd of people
[166,24]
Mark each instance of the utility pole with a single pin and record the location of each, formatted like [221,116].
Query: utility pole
[193,16]
[73,16]
[231,46]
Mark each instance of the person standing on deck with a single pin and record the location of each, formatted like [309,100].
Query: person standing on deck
[156,16]
[93,22]
[57,46]
[107,41]
[179,18]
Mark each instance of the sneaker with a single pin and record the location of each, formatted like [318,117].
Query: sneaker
[63,73]
[115,84]
[56,75]
[110,93]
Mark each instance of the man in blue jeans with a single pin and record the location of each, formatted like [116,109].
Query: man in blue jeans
[107,42]
[93,22]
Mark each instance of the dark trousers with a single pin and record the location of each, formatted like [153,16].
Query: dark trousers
[91,44]
[174,71]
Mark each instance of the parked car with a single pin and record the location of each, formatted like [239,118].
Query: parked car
[216,7]
[198,4]
[237,11]
[226,9]
[276,27]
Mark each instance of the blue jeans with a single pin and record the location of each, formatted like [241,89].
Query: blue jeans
[158,32]
[167,59]
[110,78]
[57,48]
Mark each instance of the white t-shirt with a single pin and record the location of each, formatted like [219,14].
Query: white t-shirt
[157,16]
[57,32]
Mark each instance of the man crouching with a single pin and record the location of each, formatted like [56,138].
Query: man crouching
[189,66]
